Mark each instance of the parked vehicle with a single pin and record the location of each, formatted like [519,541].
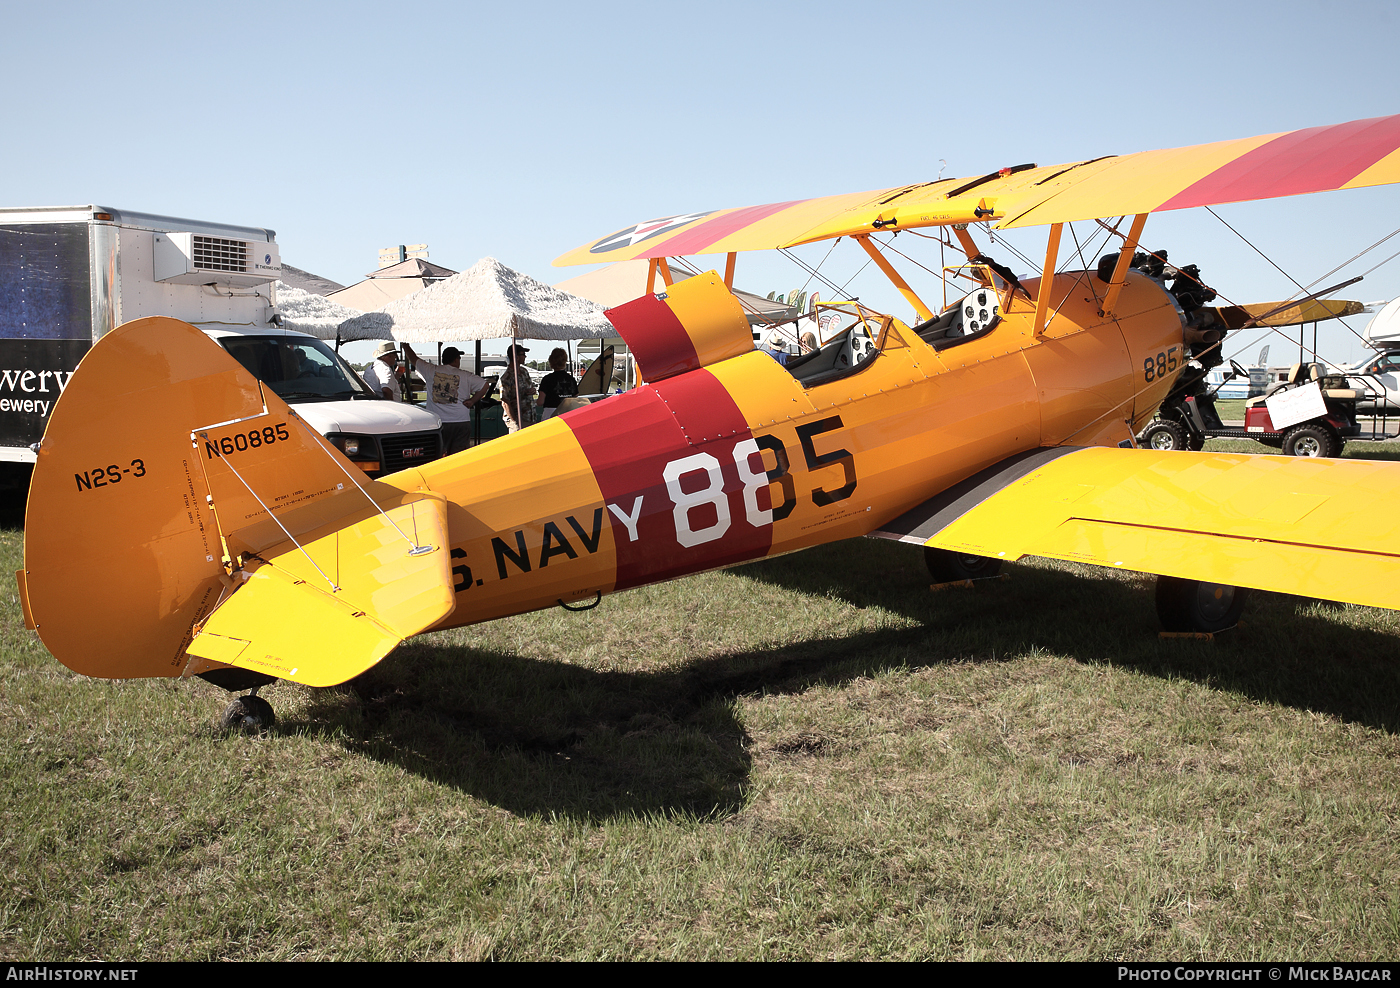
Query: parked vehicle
[1227,385]
[70,274]
[1188,416]
[1380,374]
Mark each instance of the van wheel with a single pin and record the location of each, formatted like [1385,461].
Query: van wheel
[1311,439]
[1194,605]
[1164,434]
[949,567]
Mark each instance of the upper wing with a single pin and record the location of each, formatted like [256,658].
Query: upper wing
[1314,527]
[1317,159]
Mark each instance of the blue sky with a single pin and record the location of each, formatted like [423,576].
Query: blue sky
[522,130]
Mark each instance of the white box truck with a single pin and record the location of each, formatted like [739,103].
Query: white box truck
[71,274]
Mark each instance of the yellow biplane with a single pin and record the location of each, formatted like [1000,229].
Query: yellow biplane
[183,520]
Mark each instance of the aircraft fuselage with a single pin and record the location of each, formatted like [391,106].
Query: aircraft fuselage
[739,460]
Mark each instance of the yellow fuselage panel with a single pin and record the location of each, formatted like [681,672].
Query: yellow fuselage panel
[527,523]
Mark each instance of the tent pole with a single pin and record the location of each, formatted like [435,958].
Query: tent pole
[476,415]
[514,369]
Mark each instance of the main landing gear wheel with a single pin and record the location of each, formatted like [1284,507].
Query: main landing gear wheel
[949,567]
[1194,605]
[250,713]
[1311,439]
[1164,434]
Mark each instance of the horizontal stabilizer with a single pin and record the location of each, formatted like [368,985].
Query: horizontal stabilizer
[326,611]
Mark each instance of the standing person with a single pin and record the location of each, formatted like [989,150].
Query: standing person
[382,373]
[558,385]
[517,389]
[452,394]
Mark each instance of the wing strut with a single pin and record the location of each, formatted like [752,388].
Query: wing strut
[1120,270]
[969,245]
[1047,278]
[925,313]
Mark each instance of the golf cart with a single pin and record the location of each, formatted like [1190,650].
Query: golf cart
[1310,414]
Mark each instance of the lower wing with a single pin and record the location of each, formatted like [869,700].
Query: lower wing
[1313,527]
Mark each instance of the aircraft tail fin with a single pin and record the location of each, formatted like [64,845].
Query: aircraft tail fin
[169,478]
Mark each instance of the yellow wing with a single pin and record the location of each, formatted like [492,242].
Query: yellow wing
[1318,159]
[1314,527]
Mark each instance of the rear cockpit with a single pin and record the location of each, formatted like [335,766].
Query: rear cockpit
[854,334]
[976,315]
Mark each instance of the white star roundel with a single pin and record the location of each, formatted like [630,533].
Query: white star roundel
[644,231]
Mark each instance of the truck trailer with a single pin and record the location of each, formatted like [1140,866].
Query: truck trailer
[71,274]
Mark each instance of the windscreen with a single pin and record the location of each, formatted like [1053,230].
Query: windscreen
[296,368]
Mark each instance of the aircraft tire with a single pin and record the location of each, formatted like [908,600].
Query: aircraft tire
[1311,439]
[1164,434]
[250,714]
[1196,605]
[949,567]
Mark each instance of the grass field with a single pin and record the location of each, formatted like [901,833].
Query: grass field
[1231,409]
[809,757]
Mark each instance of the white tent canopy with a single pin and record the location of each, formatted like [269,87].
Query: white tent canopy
[316,315]
[487,301]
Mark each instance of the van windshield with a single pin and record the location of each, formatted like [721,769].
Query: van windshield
[297,368]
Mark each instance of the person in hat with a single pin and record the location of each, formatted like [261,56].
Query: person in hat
[452,394]
[517,389]
[777,347]
[382,373]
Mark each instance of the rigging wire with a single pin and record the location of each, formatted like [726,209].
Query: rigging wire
[819,266]
[1362,254]
[1257,250]
[1302,288]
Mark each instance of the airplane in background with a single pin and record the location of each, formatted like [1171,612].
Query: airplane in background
[202,529]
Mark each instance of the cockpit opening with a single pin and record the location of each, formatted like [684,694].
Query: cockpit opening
[851,333]
[976,315]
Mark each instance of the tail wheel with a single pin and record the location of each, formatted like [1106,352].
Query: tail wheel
[1311,439]
[251,714]
[1194,605]
[949,567]
[1164,434]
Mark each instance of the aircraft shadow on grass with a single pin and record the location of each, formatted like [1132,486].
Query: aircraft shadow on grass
[536,736]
